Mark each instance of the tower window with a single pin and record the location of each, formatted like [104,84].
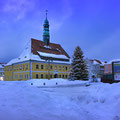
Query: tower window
[41,75]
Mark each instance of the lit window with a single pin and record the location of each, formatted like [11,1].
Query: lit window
[55,67]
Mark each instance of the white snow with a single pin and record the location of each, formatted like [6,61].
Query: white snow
[114,60]
[52,55]
[19,100]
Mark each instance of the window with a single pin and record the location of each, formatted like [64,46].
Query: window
[51,67]
[26,76]
[37,66]
[37,76]
[20,77]
[26,66]
[23,67]
[41,75]
[46,76]
[8,69]
[59,67]
[14,67]
[55,67]
[46,67]
[59,76]
[66,76]
[66,68]
[16,76]
[20,67]
[42,66]
[50,76]
[106,68]
[17,67]
[63,67]
[62,76]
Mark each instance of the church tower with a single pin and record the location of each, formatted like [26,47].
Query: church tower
[46,35]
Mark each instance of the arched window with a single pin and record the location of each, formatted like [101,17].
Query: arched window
[37,66]
[37,76]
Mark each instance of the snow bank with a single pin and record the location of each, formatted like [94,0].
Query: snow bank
[21,101]
[55,82]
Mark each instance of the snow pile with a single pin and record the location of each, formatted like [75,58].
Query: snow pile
[55,82]
[52,55]
[21,101]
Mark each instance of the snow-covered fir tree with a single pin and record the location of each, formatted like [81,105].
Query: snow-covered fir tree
[78,66]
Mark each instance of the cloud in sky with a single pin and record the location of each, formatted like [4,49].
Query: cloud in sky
[18,7]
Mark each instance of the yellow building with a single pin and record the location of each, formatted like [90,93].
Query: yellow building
[39,60]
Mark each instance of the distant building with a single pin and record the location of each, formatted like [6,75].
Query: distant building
[108,66]
[2,71]
[95,67]
[39,60]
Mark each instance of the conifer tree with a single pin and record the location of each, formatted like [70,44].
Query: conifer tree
[78,66]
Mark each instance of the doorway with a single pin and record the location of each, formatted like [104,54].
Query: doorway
[55,75]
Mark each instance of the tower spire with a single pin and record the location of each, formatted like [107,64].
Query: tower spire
[46,13]
[46,36]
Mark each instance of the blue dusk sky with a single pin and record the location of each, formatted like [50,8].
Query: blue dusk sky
[94,25]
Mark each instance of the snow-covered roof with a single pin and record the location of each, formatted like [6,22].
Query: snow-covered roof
[1,66]
[52,55]
[114,60]
[27,54]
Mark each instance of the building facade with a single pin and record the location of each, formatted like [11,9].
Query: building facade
[39,60]
[2,71]
[95,67]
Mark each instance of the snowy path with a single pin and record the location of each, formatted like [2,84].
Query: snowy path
[20,101]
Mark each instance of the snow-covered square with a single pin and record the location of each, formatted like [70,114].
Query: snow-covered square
[66,100]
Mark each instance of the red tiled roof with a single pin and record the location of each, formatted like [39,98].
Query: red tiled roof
[98,61]
[38,45]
